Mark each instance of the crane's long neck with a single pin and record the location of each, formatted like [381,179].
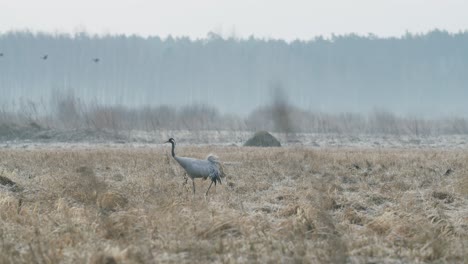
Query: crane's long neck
[173,147]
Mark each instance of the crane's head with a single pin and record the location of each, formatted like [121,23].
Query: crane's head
[171,140]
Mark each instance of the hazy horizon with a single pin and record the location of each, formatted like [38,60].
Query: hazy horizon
[264,19]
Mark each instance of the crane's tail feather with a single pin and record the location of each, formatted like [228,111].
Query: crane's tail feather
[215,178]
[215,175]
[219,166]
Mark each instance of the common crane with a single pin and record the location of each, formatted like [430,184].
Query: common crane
[197,168]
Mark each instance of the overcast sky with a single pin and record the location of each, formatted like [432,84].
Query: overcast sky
[263,18]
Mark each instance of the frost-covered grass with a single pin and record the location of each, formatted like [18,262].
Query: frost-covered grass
[138,138]
[97,204]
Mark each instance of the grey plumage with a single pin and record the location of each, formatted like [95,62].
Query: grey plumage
[197,168]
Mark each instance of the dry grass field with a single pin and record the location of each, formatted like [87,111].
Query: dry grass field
[276,205]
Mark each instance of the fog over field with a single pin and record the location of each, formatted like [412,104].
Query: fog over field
[418,75]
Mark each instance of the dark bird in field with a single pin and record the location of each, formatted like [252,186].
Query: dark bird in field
[448,172]
[197,168]
[96,60]
[45,57]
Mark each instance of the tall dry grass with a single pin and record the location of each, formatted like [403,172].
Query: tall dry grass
[67,112]
[288,205]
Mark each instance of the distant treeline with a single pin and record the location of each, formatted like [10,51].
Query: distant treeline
[422,74]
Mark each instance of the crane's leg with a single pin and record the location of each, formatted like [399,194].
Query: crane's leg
[206,194]
[193,186]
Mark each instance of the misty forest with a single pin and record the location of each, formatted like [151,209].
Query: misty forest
[346,84]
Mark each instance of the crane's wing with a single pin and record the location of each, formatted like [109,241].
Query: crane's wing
[194,167]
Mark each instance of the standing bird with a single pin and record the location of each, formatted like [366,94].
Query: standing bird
[45,57]
[197,168]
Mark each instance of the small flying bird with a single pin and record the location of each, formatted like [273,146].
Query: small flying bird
[45,57]
[1,54]
[197,168]
[96,60]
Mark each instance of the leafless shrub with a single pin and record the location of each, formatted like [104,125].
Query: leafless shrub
[281,110]
[109,118]
[67,112]
[198,117]
[67,109]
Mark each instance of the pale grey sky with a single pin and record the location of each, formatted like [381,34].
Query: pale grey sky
[263,18]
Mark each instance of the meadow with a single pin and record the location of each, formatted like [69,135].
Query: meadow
[293,204]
